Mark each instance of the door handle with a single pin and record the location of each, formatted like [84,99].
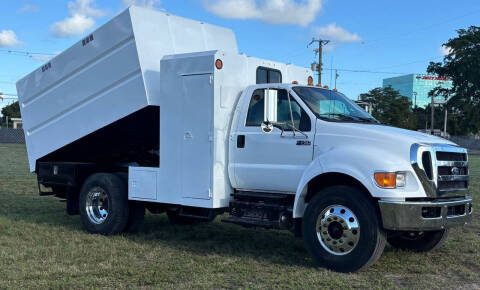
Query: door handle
[240,141]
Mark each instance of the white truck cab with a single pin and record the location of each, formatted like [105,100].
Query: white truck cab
[138,116]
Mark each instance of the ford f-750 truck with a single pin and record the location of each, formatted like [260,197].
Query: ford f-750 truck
[154,111]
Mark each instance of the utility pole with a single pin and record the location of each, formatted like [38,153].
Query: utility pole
[433,112]
[445,123]
[321,43]
[336,77]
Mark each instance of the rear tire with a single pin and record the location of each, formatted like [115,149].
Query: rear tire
[341,229]
[418,241]
[103,204]
[136,215]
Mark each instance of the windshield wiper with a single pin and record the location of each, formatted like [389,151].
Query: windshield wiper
[344,116]
[352,118]
[370,120]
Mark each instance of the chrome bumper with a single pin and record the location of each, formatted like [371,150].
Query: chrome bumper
[425,215]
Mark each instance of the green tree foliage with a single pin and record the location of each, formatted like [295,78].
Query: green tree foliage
[391,108]
[462,65]
[10,111]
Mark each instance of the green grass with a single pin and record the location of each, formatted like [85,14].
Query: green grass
[40,246]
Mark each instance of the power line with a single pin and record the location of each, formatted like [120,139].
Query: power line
[24,52]
[426,27]
[7,94]
[408,63]
[366,71]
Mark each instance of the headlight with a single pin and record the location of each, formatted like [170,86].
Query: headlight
[390,179]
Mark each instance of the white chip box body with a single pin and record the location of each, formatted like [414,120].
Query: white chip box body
[106,76]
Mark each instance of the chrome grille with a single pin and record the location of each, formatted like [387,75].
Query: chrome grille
[442,169]
[452,170]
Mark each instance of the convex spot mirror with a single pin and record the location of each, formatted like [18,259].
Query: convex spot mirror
[267,127]
[270,110]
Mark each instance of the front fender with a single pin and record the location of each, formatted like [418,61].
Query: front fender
[360,164]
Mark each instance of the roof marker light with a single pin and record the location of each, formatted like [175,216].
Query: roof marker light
[310,81]
[295,82]
[219,64]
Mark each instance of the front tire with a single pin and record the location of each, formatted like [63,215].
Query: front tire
[341,229]
[104,204]
[418,241]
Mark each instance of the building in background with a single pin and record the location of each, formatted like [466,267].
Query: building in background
[417,86]
[17,123]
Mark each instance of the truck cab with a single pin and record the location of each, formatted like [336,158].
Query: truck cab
[133,119]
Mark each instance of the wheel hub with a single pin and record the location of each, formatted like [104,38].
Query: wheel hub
[97,205]
[338,230]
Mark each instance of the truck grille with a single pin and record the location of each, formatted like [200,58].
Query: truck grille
[452,171]
[451,156]
[442,169]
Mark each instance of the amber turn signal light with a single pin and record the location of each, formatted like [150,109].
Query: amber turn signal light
[386,179]
[219,64]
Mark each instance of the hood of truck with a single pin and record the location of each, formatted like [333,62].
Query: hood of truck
[378,134]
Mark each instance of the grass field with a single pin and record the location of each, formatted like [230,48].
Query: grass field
[40,246]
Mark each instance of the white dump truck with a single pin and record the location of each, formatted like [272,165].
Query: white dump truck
[154,111]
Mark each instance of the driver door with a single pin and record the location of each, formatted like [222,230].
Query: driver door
[273,161]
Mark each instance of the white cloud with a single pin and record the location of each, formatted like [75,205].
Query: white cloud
[28,8]
[82,18]
[444,50]
[8,38]
[336,34]
[273,11]
[144,3]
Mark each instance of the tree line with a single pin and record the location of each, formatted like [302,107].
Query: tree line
[461,65]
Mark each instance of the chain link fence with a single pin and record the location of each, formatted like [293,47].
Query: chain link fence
[9,135]
[470,143]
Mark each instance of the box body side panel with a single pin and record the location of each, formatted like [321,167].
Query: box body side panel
[158,34]
[87,87]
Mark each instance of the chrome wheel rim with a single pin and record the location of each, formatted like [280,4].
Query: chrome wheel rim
[338,230]
[97,205]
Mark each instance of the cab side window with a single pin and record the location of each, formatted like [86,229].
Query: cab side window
[256,111]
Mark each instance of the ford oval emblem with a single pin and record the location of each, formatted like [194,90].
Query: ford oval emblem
[455,171]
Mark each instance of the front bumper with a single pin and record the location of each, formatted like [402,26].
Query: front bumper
[425,215]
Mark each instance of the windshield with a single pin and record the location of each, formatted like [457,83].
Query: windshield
[332,106]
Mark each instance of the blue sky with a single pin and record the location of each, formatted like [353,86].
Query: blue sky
[386,38]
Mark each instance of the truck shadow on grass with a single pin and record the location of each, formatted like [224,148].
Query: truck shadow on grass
[215,238]
[279,247]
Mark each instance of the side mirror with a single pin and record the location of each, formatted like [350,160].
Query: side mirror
[271,100]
